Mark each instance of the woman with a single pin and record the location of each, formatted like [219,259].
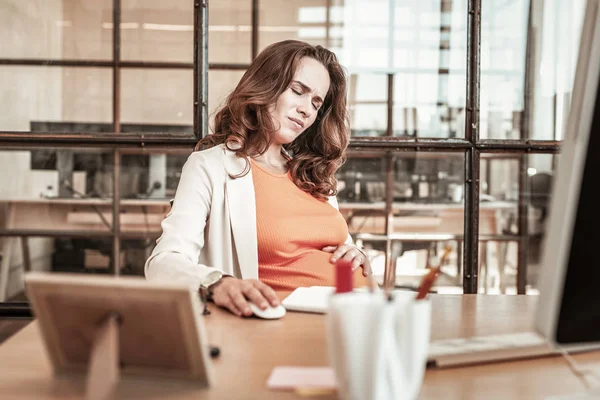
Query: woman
[257,201]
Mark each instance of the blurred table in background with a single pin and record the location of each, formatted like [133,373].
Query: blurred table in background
[70,218]
[428,225]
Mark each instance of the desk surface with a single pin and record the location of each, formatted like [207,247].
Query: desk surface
[250,348]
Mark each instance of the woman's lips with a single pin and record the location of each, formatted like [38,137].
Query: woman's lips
[297,122]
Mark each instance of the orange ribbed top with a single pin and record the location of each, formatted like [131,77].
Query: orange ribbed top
[292,227]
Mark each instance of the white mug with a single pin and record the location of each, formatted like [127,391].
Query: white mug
[377,347]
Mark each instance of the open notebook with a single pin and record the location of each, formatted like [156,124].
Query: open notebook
[308,299]
[312,299]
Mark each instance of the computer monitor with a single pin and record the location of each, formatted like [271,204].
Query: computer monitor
[568,312]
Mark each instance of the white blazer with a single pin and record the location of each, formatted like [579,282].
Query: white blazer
[212,223]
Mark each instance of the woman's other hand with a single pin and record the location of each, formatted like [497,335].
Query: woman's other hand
[352,254]
[234,295]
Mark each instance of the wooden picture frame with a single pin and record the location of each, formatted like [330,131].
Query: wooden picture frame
[103,325]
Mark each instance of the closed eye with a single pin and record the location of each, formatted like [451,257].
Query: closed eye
[301,93]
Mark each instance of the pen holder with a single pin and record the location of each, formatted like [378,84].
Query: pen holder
[378,347]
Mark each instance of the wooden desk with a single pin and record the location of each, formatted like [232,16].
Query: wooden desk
[250,348]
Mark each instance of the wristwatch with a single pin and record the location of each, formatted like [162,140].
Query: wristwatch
[208,283]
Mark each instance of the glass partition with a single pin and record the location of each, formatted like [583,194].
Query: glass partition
[32,96]
[230,32]
[404,226]
[157,31]
[407,66]
[144,93]
[505,251]
[56,29]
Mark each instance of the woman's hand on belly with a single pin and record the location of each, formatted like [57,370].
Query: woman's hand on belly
[351,254]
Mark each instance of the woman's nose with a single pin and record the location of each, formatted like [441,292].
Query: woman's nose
[305,109]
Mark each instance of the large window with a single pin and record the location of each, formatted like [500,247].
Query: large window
[456,108]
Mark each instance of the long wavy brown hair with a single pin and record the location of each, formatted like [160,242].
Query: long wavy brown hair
[246,127]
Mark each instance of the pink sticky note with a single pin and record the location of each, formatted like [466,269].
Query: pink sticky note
[301,377]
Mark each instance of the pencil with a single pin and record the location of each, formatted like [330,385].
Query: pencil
[432,275]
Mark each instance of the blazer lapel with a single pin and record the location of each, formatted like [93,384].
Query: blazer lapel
[241,205]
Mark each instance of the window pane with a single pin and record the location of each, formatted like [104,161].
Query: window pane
[50,189]
[53,254]
[503,44]
[422,44]
[220,84]
[356,174]
[541,171]
[56,29]
[421,107]
[428,210]
[366,34]
[367,104]
[33,96]
[154,30]
[157,172]
[557,41]
[230,31]
[499,177]
[297,19]
[135,252]
[68,192]
[498,218]
[157,175]
[499,258]
[430,58]
[453,37]
[368,119]
[367,87]
[158,97]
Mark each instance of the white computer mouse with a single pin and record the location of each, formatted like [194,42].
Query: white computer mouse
[269,312]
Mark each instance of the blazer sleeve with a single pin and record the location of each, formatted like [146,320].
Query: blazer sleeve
[175,257]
